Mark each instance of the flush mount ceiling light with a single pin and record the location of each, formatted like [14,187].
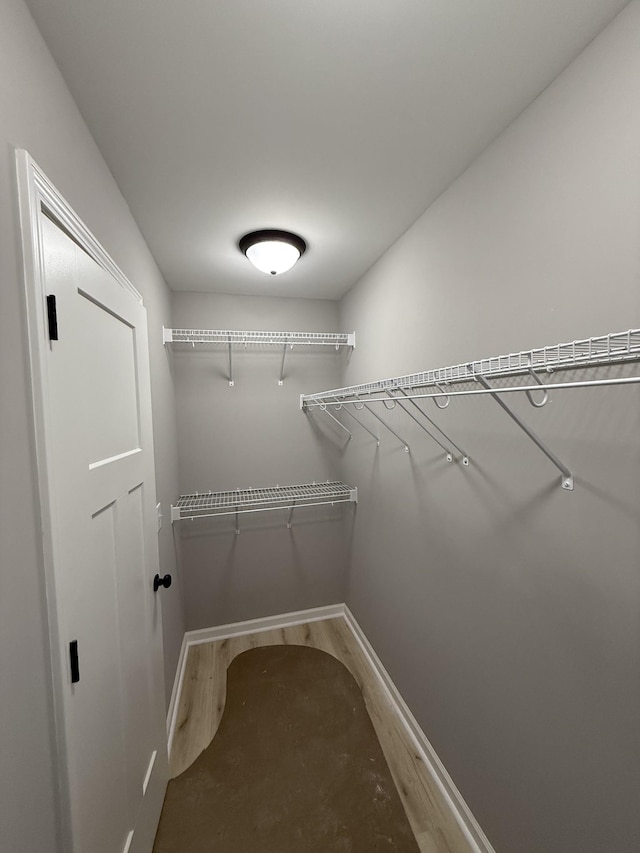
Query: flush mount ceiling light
[272,251]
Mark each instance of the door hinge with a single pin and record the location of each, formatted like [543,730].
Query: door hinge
[75,664]
[52,316]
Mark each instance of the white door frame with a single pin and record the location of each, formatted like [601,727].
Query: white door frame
[36,194]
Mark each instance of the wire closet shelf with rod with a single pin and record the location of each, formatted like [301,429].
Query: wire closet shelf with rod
[230,338]
[238,501]
[523,371]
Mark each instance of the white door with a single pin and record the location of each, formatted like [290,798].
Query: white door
[100,463]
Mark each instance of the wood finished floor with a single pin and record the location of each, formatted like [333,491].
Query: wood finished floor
[202,700]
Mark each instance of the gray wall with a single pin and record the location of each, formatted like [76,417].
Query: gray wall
[508,610]
[255,435]
[37,113]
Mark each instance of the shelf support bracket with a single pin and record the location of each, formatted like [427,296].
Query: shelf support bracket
[567,476]
[465,456]
[385,424]
[334,418]
[284,355]
[422,426]
[291,509]
[366,428]
[230,365]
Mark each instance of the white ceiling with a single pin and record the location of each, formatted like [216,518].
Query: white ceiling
[341,120]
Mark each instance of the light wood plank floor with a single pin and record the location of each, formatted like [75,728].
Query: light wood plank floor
[201,705]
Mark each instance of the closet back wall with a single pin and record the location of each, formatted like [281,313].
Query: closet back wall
[254,435]
[506,609]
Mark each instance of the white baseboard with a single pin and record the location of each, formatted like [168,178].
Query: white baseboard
[177,687]
[268,623]
[445,783]
[459,809]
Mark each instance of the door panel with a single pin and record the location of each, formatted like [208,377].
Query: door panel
[134,612]
[108,381]
[114,476]
[95,711]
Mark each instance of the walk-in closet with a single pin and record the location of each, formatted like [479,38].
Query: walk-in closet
[319,427]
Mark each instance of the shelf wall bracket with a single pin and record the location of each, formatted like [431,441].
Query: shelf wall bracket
[334,418]
[284,355]
[230,365]
[364,427]
[449,454]
[385,424]
[567,476]
[167,335]
[463,454]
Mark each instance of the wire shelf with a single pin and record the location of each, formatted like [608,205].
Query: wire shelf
[613,348]
[207,504]
[225,336]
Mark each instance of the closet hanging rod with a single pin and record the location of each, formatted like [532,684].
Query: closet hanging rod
[614,348]
[225,336]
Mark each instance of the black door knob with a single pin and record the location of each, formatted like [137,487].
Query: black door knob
[158,582]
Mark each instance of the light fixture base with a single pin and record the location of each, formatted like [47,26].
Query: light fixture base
[271,250]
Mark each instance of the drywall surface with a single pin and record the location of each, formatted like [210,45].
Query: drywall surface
[38,114]
[253,435]
[506,609]
[158,302]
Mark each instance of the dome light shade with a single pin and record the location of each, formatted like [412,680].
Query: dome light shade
[272,252]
